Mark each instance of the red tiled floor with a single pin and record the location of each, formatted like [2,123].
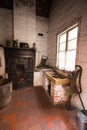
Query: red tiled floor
[30,109]
[37,127]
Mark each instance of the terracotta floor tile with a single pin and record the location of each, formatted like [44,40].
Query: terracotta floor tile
[23,125]
[36,127]
[33,120]
[30,109]
[5,126]
[9,118]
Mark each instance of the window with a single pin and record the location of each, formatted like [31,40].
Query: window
[66,46]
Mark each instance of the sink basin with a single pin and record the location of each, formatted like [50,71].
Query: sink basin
[55,76]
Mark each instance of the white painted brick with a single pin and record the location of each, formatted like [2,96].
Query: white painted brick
[27,26]
[5,25]
[24,23]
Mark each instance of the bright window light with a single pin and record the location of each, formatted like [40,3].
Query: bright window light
[66,48]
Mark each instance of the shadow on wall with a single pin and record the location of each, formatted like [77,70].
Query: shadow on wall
[2,61]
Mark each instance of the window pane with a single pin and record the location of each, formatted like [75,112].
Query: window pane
[73,33]
[61,60]
[62,46]
[72,44]
[70,60]
[63,38]
[67,56]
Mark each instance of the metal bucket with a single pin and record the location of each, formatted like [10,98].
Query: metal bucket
[82,117]
[5,92]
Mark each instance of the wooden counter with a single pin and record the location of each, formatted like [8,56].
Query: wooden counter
[57,81]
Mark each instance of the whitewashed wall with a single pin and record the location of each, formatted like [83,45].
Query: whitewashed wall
[5,25]
[41,41]
[63,14]
[24,21]
[27,26]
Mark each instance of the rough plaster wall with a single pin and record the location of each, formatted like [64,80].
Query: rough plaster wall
[63,14]
[41,41]
[24,22]
[2,62]
[5,25]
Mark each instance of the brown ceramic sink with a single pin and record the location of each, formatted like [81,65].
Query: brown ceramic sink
[56,78]
[55,75]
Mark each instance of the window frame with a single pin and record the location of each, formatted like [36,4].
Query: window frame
[66,45]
